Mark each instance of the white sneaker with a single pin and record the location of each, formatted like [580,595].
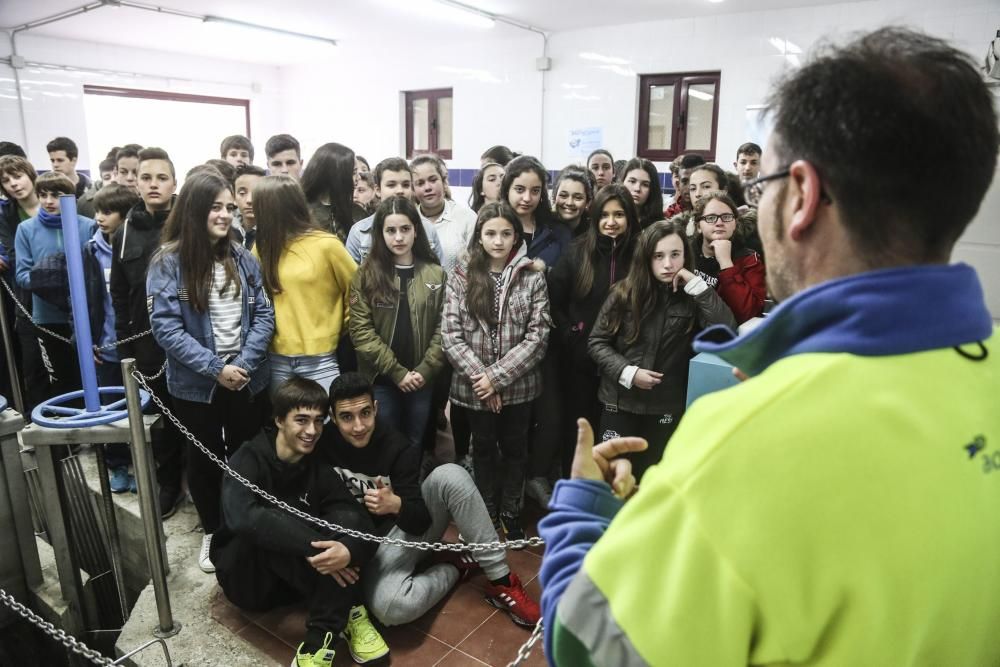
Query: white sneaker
[539,490]
[204,561]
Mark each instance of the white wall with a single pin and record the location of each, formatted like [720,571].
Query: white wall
[54,98]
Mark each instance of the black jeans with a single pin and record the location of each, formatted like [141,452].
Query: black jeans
[499,449]
[580,400]
[656,429]
[222,426]
[547,421]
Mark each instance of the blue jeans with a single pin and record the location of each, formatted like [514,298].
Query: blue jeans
[407,412]
[322,368]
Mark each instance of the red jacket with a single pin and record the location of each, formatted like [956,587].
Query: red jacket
[742,286]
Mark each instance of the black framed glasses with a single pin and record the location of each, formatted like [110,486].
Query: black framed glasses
[713,218]
[753,190]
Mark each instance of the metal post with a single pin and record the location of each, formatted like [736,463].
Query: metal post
[78,301]
[149,510]
[114,541]
[8,350]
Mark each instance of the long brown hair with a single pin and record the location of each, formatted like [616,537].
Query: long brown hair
[479,285]
[282,216]
[637,295]
[186,233]
[585,247]
[377,274]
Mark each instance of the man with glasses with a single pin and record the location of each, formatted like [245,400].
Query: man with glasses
[839,506]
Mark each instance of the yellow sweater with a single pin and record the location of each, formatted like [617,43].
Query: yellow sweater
[311,310]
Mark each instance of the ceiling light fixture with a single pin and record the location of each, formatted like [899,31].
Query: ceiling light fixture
[448,10]
[608,60]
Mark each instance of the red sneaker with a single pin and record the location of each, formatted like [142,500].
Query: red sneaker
[514,600]
[462,560]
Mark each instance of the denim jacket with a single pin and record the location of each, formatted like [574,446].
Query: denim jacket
[186,335]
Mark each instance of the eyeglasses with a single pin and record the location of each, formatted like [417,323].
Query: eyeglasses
[754,190]
[713,218]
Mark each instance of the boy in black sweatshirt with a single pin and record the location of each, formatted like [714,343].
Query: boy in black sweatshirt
[381,469]
[266,557]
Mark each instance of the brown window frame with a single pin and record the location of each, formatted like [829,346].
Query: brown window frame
[112,91]
[682,82]
[432,97]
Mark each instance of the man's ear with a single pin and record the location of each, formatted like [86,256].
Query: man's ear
[805,192]
[374,407]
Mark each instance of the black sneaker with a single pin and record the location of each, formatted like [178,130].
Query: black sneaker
[170,500]
[512,530]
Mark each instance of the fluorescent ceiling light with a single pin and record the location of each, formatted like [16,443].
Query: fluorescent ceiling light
[715,2]
[609,60]
[701,95]
[451,12]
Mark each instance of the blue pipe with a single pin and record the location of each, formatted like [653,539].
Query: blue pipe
[78,300]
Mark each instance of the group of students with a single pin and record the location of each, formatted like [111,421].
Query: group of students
[520,314]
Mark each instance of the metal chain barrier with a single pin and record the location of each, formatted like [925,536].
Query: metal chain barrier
[526,647]
[423,546]
[69,341]
[69,641]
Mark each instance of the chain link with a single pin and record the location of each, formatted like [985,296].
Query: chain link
[69,641]
[525,650]
[69,341]
[423,546]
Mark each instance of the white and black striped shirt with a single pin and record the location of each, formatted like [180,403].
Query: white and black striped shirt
[226,312]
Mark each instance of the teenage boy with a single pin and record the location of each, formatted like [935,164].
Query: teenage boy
[112,203]
[284,155]
[247,177]
[17,178]
[686,164]
[236,150]
[36,239]
[127,166]
[107,169]
[133,245]
[381,469]
[265,557]
[748,161]
[392,178]
[63,155]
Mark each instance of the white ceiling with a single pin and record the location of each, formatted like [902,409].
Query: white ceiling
[375,24]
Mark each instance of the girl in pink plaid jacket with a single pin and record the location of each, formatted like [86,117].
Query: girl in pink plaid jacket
[494,331]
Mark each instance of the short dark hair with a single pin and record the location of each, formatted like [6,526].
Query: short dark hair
[717,171]
[297,392]
[749,148]
[363,160]
[114,198]
[54,181]
[107,164]
[153,153]
[499,154]
[282,142]
[15,165]
[129,150]
[389,164]
[10,148]
[237,141]
[348,386]
[227,170]
[901,98]
[63,144]
[691,161]
[250,170]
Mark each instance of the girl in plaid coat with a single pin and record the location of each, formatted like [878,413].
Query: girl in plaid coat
[494,331]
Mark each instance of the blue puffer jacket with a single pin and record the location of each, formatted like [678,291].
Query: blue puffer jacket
[186,335]
[549,242]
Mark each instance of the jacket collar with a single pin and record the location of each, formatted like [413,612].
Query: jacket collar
[878,313]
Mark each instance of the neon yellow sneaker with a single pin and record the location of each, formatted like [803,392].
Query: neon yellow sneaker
[363,640]
[321,658]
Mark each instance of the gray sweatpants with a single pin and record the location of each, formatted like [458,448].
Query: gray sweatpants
[392,591]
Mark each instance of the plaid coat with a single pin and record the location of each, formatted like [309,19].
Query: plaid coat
[513,366]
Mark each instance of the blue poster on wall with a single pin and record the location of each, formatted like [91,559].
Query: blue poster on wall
[584,140]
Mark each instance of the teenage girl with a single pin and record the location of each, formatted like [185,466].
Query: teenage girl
[573,193]
[724,261]
[525,188]
[486,185]
[328,182]
[494,330]
[602,166]
[643,182]
[642,340]
[452,221]
[307,273]
[396,301]
[211,316]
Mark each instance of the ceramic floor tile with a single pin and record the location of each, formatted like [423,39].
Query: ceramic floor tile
[455,617]
[410,646]
[286,623]
[226,614]
[459,659]
[497,641]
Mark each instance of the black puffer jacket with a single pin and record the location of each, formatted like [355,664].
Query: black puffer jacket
[663,345]
[574,317]
[133,244]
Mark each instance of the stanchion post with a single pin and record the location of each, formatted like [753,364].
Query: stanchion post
[149,510]
[78,302]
